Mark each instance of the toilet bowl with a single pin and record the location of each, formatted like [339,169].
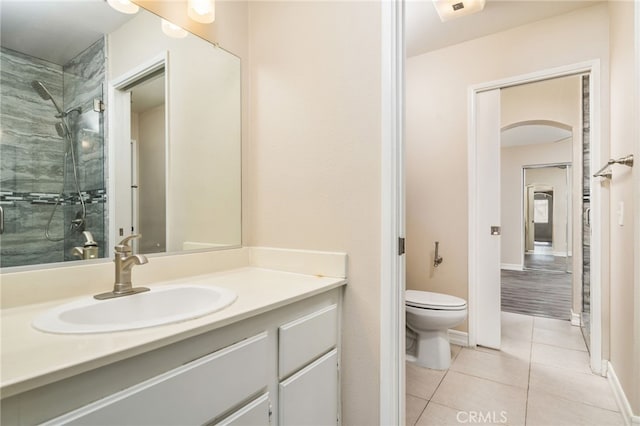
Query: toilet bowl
[430,316]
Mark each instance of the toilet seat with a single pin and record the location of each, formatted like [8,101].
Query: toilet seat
[436,301]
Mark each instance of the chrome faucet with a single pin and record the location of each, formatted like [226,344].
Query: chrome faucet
[124,261]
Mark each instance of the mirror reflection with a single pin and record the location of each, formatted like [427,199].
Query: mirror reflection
[111,127]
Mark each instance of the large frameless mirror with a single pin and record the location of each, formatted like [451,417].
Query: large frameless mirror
[112,126]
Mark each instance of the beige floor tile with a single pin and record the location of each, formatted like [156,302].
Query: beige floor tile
[520,349]
[544,409]
[569,338]
[415,407]
[473,394]
[495,366]
[580,387]
[552,324]
[422,382]
[436,414]
[516,326]
[554,356]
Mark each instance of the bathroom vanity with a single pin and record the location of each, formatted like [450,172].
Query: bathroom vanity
[271,357]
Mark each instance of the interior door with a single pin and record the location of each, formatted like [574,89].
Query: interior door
[528,221]
[122,171]
[488,221]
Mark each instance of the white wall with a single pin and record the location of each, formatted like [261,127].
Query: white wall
[314,160]
[436,128]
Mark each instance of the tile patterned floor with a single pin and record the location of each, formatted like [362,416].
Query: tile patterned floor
[541,377]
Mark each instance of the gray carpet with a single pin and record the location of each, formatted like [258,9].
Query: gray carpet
[538,293]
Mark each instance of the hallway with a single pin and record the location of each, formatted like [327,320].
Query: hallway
[541,377]
[538,293]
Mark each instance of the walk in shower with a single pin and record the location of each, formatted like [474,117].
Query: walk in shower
[52,177]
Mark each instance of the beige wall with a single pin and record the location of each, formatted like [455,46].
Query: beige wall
[436,128]
[230,31]
[204,109]
[151,177]
[623,120]
[311,150]
[314,160]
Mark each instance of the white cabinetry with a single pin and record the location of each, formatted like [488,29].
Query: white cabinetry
[308,363]
[277,368]
[256,413]
[310,397]
[193,394]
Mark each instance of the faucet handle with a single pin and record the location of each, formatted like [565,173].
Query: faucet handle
[124,246]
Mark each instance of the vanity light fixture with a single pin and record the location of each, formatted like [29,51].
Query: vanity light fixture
[202,11]
[124,6]
[172,30]
[451,9]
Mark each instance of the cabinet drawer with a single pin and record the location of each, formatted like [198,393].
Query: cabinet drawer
[256,413]
[192,394]
[310,397]
[305,339]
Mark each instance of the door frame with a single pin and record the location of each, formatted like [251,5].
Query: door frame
[392,260]
[568,229]
[119,141]
[593,69]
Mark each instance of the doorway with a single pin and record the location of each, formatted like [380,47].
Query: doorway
[483,314]
[140,145]
[543,287]
[547,222]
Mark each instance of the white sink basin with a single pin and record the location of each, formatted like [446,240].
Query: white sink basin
[160,305]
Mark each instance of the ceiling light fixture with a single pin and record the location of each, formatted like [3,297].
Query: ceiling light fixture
[172,30]
[451,9]
[124,6]
[202,11]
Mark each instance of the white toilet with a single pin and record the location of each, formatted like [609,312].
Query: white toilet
[430,316]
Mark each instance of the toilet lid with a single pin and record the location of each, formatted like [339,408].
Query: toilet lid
[429,300]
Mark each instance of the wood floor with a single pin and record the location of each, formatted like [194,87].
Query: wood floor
[537,292]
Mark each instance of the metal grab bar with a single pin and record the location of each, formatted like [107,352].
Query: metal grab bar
[625,161]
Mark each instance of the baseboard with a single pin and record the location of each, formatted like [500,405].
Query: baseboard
[575,319]
[460,338]
[621,398]
[511,267]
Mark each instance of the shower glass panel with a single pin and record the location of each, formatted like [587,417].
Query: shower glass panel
[52,151]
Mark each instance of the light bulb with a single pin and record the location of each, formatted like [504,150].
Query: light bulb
[124,6]
[201,11]
[173,30]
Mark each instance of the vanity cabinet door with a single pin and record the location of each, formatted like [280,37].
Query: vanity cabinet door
[310,397]
[305,339]
[193,394]
[256,413]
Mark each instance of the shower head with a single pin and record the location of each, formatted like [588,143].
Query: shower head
[41,89]
[62,130]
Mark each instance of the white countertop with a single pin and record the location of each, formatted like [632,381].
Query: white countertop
[31,358]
